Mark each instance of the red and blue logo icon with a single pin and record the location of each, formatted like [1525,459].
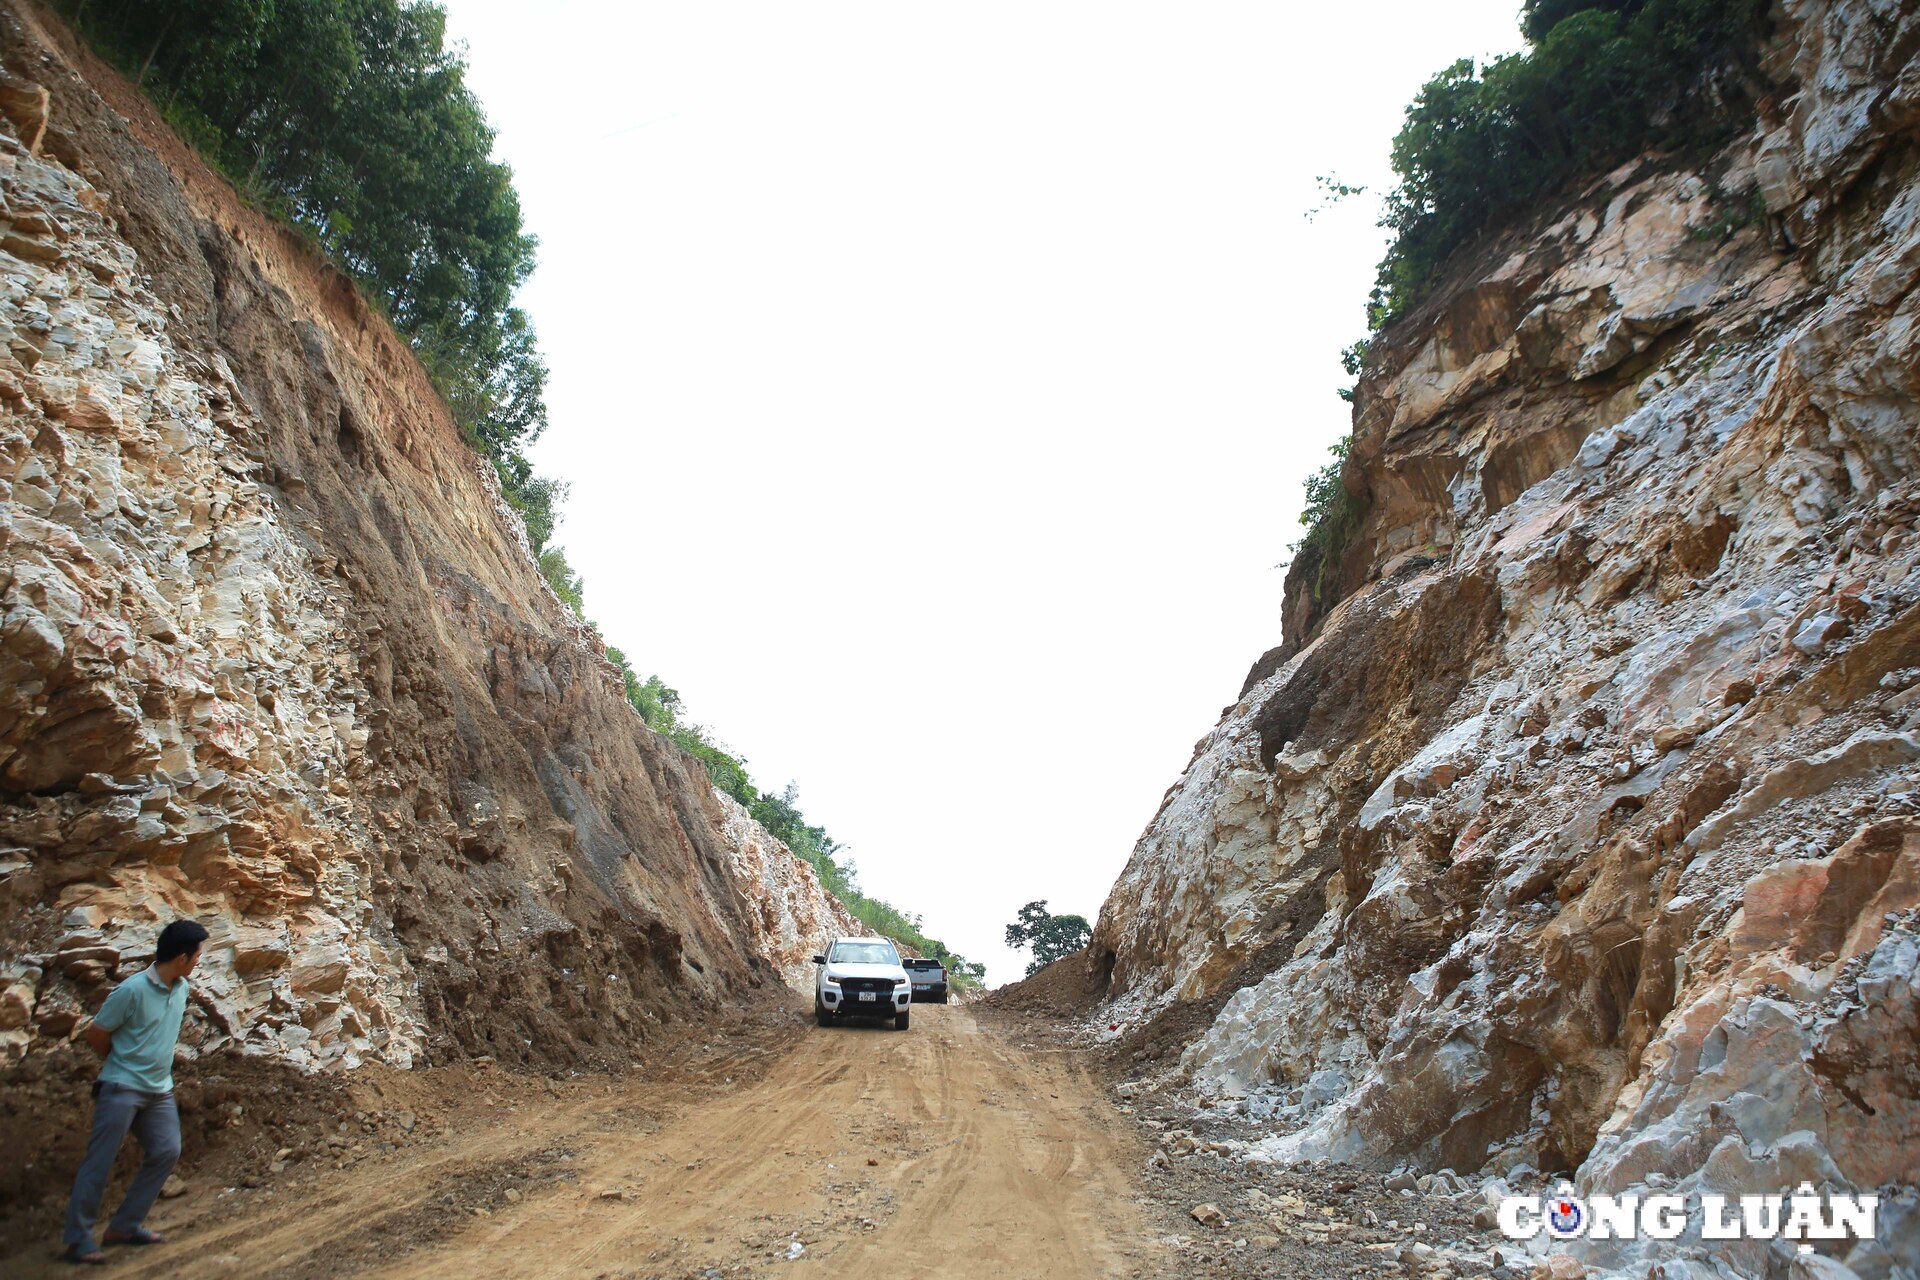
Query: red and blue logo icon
[1565,1216]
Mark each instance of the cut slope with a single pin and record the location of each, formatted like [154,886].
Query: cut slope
[276,656]
[1575,835]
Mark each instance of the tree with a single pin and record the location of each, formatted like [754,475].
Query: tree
[1051,937]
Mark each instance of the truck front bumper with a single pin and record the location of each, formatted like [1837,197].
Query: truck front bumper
[881,1006]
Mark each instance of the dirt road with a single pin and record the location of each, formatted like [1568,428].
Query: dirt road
[945,1151]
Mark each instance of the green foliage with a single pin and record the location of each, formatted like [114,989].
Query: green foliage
[1332,516]
[563,579]
[781,815]
[729,772]
[1735,214]
[352,121]
[1538,17]
[1325,493]
[1602,82]
[1352,359]
[1332,192]
[659,706]
[536,498]
[1051,937]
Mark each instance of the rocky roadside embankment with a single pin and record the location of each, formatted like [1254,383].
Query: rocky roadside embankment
[1572,830]
[275,655]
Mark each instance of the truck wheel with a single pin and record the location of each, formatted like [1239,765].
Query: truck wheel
[820,1014]
[943,997]
[900,1020]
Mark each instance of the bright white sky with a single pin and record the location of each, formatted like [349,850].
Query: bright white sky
[937,382]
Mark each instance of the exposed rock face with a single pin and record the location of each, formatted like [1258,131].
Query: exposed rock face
[1576,834]
[273,654]
[793,917]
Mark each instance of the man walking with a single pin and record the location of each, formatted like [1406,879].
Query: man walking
[135,1032]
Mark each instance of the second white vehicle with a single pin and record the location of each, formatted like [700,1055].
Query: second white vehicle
[861,977]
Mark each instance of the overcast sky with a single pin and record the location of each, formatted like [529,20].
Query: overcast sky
[936,382]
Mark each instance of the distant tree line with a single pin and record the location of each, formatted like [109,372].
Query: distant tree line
[352,122]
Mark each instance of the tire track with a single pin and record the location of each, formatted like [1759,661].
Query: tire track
[941,1153]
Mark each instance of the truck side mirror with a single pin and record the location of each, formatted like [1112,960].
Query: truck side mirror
[819,959]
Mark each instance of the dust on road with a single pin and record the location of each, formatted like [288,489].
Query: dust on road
[944,1151]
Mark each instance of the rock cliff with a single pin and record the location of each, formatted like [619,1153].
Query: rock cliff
[1572,827]
[274,654]
[793,917]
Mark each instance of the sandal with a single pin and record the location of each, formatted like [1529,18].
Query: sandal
[139,1235]
[94,1259]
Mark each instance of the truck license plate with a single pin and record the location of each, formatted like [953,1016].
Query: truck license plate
[868,995]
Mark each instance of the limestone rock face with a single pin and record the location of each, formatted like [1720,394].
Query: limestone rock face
[793,917]
[274,655]
[1571,825]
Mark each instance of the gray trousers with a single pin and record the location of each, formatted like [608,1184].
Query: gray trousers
[155,1121]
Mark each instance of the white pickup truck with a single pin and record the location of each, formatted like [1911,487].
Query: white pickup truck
[929,978]
[861,977]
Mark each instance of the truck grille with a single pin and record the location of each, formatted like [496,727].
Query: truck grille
[852,986]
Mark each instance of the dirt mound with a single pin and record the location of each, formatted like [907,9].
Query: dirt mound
[1067,988]
[234,1113]
[1169,1031]
[440,1140]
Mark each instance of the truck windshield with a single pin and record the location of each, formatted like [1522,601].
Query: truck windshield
[864,953]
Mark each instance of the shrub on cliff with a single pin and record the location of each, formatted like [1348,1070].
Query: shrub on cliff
[564,579]
[1331,515]
[1603,81]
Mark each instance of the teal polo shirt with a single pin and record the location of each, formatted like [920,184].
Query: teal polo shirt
[144,1017]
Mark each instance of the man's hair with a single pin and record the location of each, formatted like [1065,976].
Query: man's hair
[180,938]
